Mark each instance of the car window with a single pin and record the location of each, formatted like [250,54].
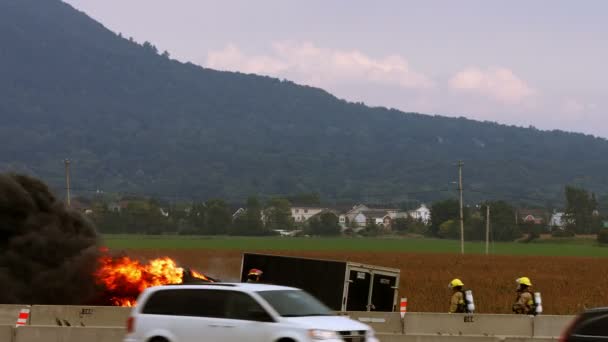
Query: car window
[596,326]
[242,306]
[295,303]
[187,302]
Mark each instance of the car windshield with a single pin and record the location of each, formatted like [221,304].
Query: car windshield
[295,303]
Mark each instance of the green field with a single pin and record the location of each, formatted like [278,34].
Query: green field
[568,247]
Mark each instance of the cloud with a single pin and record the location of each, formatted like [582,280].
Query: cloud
[572,106]
[489,93]
[307,63]
[497,83]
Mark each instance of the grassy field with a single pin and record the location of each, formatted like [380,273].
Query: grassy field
[567,247]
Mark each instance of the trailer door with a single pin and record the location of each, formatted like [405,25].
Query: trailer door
[358,290]
[383,292]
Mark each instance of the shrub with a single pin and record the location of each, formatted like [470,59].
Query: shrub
[602,236]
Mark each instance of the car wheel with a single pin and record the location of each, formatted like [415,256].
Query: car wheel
[158,339]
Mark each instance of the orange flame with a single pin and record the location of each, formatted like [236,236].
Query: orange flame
[124,278]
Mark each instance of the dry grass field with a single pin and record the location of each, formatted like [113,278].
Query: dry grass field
[568,284]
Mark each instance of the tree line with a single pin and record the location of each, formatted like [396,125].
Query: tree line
[268,217]
[212,217]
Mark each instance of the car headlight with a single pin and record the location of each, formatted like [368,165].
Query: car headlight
[370,333]
[323,334]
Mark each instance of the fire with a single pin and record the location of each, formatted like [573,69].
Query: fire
[200,276]
[124,278]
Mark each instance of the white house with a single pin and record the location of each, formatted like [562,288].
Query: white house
[557,220]
[302,214]
[360,220]
[356,210]
[422,214]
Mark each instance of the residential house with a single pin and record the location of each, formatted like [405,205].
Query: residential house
[422,213]
[557,220]
[303,214]
[379,217]
[360,214]
[355,211]
[532,216]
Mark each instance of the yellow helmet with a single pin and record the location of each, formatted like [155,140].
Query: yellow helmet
[455,283]
[524,281]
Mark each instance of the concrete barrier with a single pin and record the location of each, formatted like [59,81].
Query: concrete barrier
[438,338]
[9,313]
[527,339]
[79,316]
[6,332]
[551,326]
[470,325]
[428,338]
[418,324]
[385,322]
[68,334]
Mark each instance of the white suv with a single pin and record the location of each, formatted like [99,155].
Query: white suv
[238,312]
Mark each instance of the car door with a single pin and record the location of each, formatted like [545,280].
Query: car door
[249,321]
[188,315]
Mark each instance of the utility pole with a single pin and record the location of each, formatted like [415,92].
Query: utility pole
[460,165]
[67,182]
[487,229]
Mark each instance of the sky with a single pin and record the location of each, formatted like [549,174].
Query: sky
[539,63]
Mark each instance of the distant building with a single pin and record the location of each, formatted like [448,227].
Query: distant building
[361,214]
[303,214]
[557,220]
[422,214]
[532,216]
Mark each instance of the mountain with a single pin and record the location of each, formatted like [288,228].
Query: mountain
[134,121]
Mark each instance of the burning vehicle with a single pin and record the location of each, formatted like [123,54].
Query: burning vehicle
[123,279]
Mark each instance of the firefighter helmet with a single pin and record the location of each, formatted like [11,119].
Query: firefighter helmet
[255,272]
[455,283]
[524,281]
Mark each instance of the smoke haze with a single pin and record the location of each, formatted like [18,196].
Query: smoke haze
[48,253]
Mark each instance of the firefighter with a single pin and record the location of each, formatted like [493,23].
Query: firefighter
[524,304]
[457,303]
[254,275]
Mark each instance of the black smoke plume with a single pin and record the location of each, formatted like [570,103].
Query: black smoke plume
[48,254]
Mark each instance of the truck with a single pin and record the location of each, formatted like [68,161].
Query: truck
[341,285]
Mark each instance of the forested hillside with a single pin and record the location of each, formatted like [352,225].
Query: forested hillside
[133,120]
